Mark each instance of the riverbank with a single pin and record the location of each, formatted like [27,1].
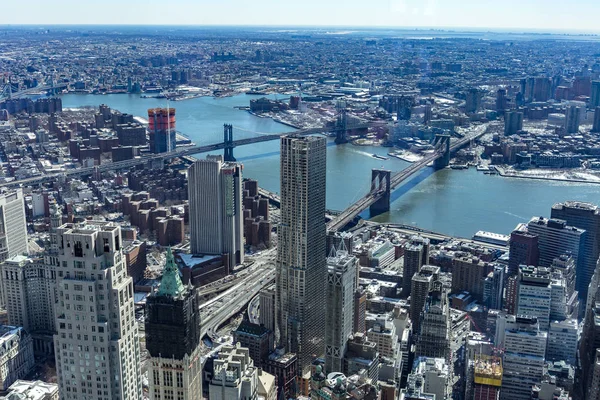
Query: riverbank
[550,175]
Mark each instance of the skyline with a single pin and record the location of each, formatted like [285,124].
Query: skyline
[395,14]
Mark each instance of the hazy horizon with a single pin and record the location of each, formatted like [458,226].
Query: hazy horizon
[579,16]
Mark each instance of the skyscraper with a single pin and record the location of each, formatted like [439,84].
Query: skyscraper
[96,343]
[341,286]
[596,125]
[301,270]
[13,226]
[161,129]
[595,96]
[523,249]
[416,254]
[556,238]
[524,351]
[583,216]
[433,339]
[216,217]
[172,329]
[572,116]
[422,283]
[513,122]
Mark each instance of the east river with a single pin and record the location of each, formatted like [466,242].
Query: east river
[454,202]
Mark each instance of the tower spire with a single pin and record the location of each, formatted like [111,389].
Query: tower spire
[170,284]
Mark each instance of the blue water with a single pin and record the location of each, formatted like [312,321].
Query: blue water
[456,202]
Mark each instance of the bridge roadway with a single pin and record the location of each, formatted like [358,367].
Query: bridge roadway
[180,152]
[371,198]
[26,92]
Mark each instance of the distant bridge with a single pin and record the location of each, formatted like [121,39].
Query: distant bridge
[383,183]
[7,92]
[154,160]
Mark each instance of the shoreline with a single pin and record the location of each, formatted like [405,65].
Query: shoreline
[503,174]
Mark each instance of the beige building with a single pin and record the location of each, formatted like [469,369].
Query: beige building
[29,286]
[96,341]
[16,355]
[235,377]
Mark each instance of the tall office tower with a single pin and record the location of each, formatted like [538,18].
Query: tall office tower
[556,238]
[235,377]
[527,86]
[216,217]
[572,117]
[341,286]
[161,129]
[416,254]
[565,264]
[595,96]
[469,273]
[13,226]
[510,304]
[596,125]
[360,311]
[562,341]
[493,288]
[266,299]
[523,364]
[593,389]
[501,101]
[172,338]
[301,269]
[513,122]
[31,295]
[523,249]
[422,283]
[542,89]
[433,339]
[584,216]
[534,294]
[95,316]
[473,100]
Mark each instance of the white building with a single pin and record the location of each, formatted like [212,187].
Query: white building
[562,341]
[556,238]
[16,354]
[30,390]
[383,334]
[29,285]
[216,215]
[524,351]
[341,285]
[96,342]
[436,376]
[534,294]
[234,377]
[13,226]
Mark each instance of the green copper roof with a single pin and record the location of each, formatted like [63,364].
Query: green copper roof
[170,284]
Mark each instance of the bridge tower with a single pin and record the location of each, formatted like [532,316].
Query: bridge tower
[380,186]
[228,141]
[442,143]
[341,128]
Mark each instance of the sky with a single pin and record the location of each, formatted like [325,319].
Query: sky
[539,15]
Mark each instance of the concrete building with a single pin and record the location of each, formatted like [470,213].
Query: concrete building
[572,117]
[13,226]
[284,367]
[436,376]
[414,389]
[383,334]
[493,288]
[513,122]
[523,363]
[596,124]
[584,216]
[267,307]
[16,355]
[172,329]
[95,316]
[416,254]
[301,270]
[468,274]
[593,389]
[235,376]
[361,355]
[523,249]
[30,390]
[433,338]
[563,337]
[30,291]
[257,339]
[216,216]
[595,95]
[341,286]
[555,238]
[422,283]
[534,294]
